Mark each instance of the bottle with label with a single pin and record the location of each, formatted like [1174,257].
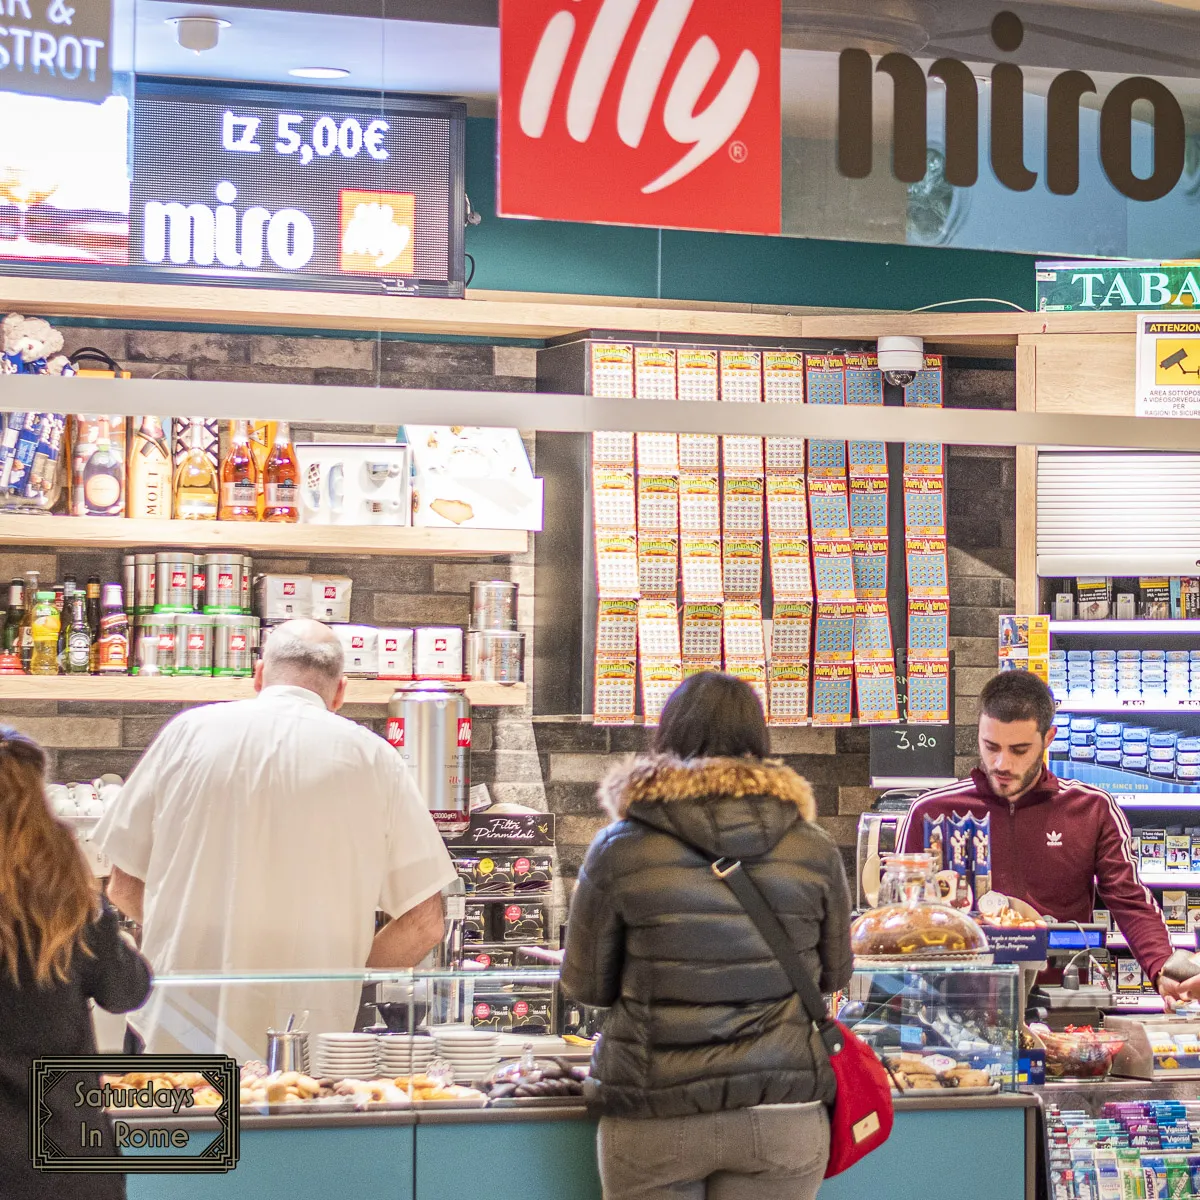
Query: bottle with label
[282,479]
[43,657]
[14,617]
[93,618]
[79,638]
[149,470]
[239,478]
[104,477]
[25,636]
[196,489]
[262,438]
[112,655]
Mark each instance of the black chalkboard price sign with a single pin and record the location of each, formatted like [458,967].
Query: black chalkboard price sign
[911,755]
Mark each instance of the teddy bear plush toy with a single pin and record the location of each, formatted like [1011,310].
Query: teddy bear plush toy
[31,347]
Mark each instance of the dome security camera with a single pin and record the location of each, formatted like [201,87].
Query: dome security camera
[900,358]
[198,33]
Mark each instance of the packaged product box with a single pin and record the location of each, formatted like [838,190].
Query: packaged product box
[331,598]
[1126,606]
[1129,975]
[493,875]
[1153,849]
[532,872]
[1179,852]
[1175,910]
[523,923]
[360,645]
[532,1016]
[492,1013]
[1154,598]
[476,925]
[1094,594]
[437,652]
[1189,598]
[283,597]
[97,488]
[395,653]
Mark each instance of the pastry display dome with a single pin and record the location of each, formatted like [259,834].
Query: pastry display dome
[915,930]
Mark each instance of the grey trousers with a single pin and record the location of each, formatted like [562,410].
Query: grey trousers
[775,1152]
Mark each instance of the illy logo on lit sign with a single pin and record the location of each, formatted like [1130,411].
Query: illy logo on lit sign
[659,112]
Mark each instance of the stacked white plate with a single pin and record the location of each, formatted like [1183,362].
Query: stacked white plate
[343,1055]
[405,1054]
[473,1053]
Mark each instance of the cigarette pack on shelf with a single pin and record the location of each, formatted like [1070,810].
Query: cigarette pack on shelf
[929,627]
[783,377]
[614,499]
[698,375]
[611,369]
[742,566]
[658,564]
[829,507]
[741,376]
[699,452]
[928,691]
[654,372]
[924,506]
[657,503]
[787,506]
[617,564]
[791,568]
[832,693]
[870,567]
[787,688]
[875,688]
[925,559]
[659,655]
[868,506]
[616,690]
[699,503]
[825,378]
[743,506]
[700,567]
[833,568]
[701,638]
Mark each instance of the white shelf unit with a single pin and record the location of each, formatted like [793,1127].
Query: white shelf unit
[1138,628]
[1170,879]
[1179,939]
[1101,707]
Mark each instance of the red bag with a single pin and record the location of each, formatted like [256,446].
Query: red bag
[861,1118]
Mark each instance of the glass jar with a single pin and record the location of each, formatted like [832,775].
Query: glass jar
[907,879]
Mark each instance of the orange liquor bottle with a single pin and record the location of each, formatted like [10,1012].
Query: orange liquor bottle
[239,478]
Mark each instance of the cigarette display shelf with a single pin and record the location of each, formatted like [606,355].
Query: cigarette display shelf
[1180,940]
[1180,705]
[17,529]
[207,689]
[1108,628]
[1170,879]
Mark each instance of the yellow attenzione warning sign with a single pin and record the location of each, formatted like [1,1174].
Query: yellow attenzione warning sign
[1177,362]
[1168,366]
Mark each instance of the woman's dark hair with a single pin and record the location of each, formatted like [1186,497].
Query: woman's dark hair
[711,715]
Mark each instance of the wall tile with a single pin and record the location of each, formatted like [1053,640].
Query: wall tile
[172,347]
[579,768]
[519,361]
[354,354]
[391,609]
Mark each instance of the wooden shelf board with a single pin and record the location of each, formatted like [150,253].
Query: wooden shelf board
[206,690]
[258,536]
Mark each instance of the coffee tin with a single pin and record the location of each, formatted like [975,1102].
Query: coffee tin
[128,579]
[495,655]
[234,638]
[438,652]
[143,594]
[173,571]
[223,582]
[193,644]
[247,581]
[154,644]
[493,604]
[198,584]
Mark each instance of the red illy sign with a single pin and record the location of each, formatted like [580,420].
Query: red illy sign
[641,112]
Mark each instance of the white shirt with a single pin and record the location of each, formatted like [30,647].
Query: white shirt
[267,832]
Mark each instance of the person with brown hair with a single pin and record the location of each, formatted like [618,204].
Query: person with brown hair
[60,946]
[711,1078]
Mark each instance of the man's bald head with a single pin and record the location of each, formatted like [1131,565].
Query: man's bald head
[305,654]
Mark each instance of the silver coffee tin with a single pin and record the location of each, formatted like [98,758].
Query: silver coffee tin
[193,644]
[154,644]
[224,583]
[144,594]
[235,637]
[493,604]
[247,582]
[495,655]
[173,570]
[128,580]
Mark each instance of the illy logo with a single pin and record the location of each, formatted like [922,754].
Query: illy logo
[641,112]
[703,131]
[1053,838]
[395,732]
[464,733]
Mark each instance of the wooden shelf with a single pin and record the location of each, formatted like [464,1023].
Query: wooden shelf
[207,690]
[257,536]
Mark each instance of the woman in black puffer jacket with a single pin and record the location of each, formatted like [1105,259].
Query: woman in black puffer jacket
[711,1078]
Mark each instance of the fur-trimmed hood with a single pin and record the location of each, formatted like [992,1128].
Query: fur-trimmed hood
[727,805]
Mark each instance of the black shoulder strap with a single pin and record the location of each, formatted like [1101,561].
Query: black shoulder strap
[733,874]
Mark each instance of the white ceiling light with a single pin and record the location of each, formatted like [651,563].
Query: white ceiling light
[198,33]
[319,72]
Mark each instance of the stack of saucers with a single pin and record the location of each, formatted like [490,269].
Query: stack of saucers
[473,1053]
[343,1055]
[404,1053]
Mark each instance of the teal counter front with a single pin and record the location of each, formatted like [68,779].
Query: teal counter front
[549,1154]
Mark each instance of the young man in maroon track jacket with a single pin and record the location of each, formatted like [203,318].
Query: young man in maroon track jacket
[1056,844]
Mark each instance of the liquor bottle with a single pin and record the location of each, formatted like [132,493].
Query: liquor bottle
[282,479]
[104,477]
[14,616]
[43,656]
[239,478]
[60,607]
[25,638]
[79,638]
[196,490]
[69,588]
[112,656]
[262,439]
[93,618]
[149,471]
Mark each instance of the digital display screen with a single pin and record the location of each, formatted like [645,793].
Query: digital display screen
[279,187]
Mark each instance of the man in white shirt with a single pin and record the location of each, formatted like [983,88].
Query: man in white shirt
[261,836]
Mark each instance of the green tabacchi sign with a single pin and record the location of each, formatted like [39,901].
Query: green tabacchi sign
[1118,286]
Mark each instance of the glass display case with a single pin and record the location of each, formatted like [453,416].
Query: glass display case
[948,1026]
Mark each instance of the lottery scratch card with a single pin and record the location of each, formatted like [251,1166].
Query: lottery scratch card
[875,685]
[658,565]
[829,509]
[660,677]
[658,503]
[699,452]
[617,564]
[616,628]
[791,629]
[924,506]
[825,378]
[742,455]
[872,631]
[928,627]
[928,691]
[699,504]
[834,631]
[826,459]
[785,456]
[614,502]
[787,504]
[615,691]
[701,638]
[783,377]
[743,505]
[697,373]
[658,453]
[864,382]
[923,458]
[870,568]
[753,672]
[744,631]
[742,563]
[700,564]
[612,449]
[654,372]
[868,507]
[741,376]
[867,458]
[925,559]
[787,687]
[832,693]
[612,369]
[925,391]
[833,568]
[791,574]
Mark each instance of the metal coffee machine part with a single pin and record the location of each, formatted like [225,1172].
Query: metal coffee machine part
[429,723]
